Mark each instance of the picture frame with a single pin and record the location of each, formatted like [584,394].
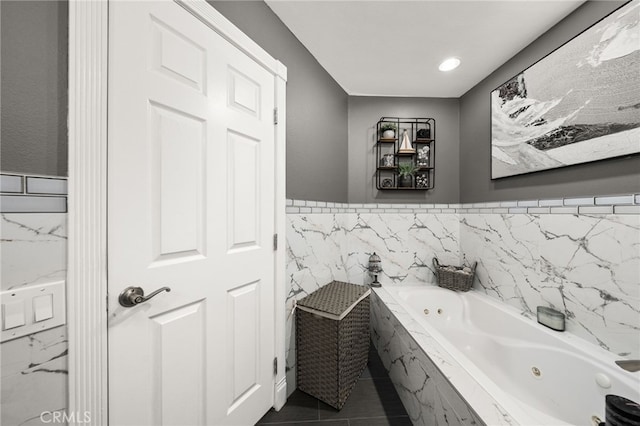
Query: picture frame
[578,104]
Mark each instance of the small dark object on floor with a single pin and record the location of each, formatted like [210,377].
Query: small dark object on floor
[373,402]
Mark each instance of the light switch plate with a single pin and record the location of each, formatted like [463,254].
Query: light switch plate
[42,305]
[12,314]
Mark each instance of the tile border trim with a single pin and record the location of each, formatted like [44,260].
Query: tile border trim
[595,205]
[30,193]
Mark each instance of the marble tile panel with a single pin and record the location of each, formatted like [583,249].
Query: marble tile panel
[316,255]
[419,378]
[503,247]
[587,266]
[406,244]
[33,248]
[34,376]
[33,367]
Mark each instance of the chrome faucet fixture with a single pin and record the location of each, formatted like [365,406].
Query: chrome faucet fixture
[631,365]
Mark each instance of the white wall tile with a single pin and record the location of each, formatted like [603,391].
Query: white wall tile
[584,201]
[517,210]
[564,210]
[538,210]
[627,209]
[558,202]
[32,204]
[623,199]
[595,209]
[11,183]
[40,185]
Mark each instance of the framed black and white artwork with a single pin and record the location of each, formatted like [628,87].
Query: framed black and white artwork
[580,103]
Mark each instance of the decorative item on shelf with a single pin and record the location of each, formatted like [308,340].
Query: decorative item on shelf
[406,172]
[405,147]
[375,267]
[423,156]
[387,183]
[388,130]
[386,160]
[423,133]
[422,180]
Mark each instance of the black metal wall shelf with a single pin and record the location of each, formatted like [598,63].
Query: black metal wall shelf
[422,135]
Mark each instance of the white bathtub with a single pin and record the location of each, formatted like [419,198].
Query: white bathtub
[537,375]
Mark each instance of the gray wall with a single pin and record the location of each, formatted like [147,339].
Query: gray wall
[604,177]
[34,83]
[364,113]
[316,106]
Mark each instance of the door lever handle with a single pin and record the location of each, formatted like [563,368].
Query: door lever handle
[132,296]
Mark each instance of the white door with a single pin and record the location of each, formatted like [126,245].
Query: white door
[190,207]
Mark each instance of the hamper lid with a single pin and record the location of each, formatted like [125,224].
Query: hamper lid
[334,300]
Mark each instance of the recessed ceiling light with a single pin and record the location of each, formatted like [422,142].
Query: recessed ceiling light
[449,64]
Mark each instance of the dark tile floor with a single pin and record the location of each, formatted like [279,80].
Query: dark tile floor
[373,402]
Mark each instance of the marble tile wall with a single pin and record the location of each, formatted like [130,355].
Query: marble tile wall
[33,246]
[337,246]
[428,397]
[586,266]
[579,255]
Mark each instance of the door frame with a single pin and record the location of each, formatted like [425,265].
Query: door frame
[87,200]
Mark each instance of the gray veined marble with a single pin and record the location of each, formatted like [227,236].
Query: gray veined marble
[34,367]
[408,243]
[425,392]
[584,265]
[34,248]
[587,267]
[326,247]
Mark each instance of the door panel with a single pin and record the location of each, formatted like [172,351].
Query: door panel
[179,182]
[244,93]
[191,206]
[178,336]
[243,165]
[177,56]
[243,339]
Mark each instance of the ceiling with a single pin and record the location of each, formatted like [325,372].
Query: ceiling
[393,48]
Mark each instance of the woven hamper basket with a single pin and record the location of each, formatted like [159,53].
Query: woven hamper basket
[332,341]
[453,277]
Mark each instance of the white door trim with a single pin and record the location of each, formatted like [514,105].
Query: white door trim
[87,221]
[87,254]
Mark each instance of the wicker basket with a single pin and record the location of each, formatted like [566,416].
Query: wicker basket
[456,279]
[332,341]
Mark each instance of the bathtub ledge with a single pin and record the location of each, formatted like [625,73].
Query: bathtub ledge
[477,398]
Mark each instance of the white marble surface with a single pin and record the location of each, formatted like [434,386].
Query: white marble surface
[34,376]
[587,267]
[326,247]
[33,368]
[33,247]
[428,379]
[316,255]
[405,242]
